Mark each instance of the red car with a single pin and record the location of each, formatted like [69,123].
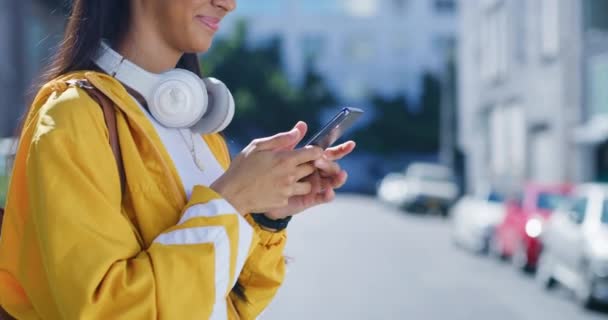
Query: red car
[517,237]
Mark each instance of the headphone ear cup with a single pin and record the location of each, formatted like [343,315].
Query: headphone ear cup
[220,107]
[177,100]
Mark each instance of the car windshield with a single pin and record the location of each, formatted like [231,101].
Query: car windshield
[434,173]
[495,197]
[605,213]
[549,201]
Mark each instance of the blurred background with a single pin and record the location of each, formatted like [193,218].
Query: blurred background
[486,129]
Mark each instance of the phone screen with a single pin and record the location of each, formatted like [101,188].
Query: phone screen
[335,128]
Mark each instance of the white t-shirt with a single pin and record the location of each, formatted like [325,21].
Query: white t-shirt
[178,143]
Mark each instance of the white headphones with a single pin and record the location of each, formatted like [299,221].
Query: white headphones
[177,98]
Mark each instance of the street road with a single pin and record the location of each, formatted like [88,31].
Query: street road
[359,259]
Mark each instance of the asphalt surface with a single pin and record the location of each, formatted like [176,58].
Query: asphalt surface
[359,259]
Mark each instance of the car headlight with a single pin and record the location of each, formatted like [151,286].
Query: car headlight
[534,227]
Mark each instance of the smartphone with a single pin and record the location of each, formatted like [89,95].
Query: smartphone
[335,128]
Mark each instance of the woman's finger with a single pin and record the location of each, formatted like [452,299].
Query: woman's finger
[304,170]
[283,140]
[304,155]
[340,151]
[327,168]
[302,128]
[301,189]
[334,182]
[328,196]
[340,180]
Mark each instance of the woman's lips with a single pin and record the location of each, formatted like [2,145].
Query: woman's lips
[211,22]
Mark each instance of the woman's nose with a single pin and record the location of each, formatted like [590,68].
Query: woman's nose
[228,5]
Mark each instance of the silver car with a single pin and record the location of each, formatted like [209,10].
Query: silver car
[575,246]
[474,218]
[423,187]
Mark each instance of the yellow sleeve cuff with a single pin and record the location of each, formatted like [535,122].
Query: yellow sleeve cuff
[267,238]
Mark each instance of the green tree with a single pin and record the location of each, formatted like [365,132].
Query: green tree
[266,101]
[395,128]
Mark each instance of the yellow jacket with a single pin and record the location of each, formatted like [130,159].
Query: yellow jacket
[71,248]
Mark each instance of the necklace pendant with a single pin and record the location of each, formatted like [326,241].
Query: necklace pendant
[199,163]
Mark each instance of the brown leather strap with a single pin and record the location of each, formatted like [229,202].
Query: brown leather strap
[109,114]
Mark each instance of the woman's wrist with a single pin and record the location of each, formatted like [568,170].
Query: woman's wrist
[224,190]
[269,223]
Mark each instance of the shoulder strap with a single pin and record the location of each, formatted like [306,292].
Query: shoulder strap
[109,115]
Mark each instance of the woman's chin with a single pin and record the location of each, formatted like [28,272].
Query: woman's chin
[202,45]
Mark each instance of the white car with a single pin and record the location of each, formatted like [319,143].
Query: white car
[474,219]
[575,246]
[423,186]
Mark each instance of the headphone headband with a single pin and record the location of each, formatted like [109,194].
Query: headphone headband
[177,98]
[124,70]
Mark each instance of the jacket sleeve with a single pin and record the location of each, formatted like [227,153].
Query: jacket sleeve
[262,274]
[93,262]
[264,270]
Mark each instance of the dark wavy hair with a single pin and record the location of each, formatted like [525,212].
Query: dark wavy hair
[88,23]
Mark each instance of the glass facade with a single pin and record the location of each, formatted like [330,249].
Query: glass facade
[597,79]
[596,14]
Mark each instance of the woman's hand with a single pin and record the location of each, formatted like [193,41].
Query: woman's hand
[328,177]
[267,173]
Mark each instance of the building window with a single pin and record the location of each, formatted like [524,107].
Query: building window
[354,88]
[359,49]
[549,28]
[313,46]
[445,6]
[399,6]
[503,44]
[597,77]
[516,131]
[360,8]
[444,44]
[499,141]
[495,43]
[400,44]
[596,15]
[519,28]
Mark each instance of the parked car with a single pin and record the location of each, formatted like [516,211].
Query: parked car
[474,219]
[423,187]
[516,237]
[575,246]
[390,189]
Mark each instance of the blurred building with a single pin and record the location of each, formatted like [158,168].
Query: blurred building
[29,29]
[360,46]
[530,83]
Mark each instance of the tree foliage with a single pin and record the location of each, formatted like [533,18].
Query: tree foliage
[266,101]
[396,128]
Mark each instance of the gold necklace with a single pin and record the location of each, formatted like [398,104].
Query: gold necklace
[192,147]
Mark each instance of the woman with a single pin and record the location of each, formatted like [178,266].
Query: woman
[179,241]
